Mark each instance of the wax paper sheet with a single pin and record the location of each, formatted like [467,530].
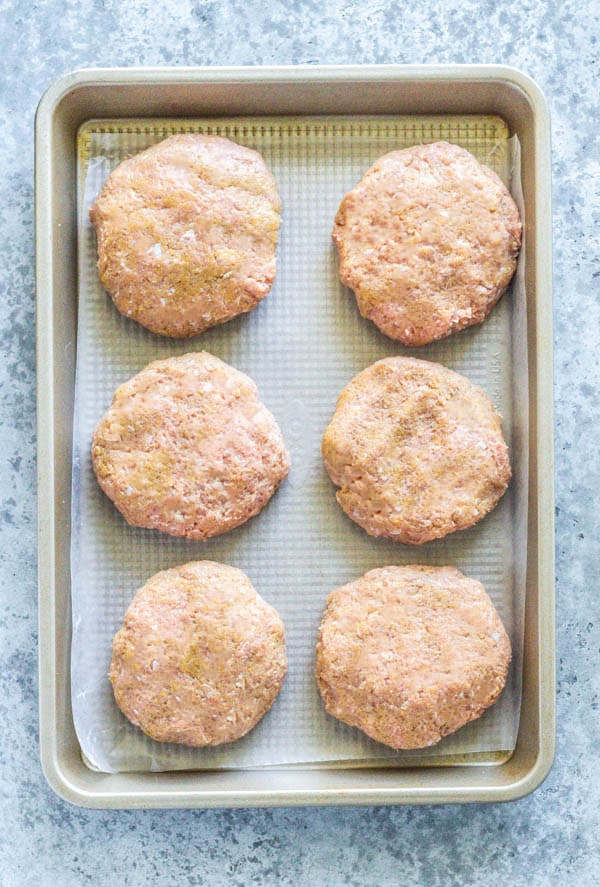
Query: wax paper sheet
[302,344]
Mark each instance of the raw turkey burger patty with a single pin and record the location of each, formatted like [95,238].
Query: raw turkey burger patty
[410,654]
[200,657]
[186,447]
[428,240]
[416,449]
[187,232]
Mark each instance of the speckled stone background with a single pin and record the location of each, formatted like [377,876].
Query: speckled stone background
[551,837]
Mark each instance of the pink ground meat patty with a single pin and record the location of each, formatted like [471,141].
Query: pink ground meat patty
[428,240]
[200,657]
[187,233]
[416,449]
[411,654]
[187,448]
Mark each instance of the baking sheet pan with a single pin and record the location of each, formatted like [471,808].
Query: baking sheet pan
[379,90]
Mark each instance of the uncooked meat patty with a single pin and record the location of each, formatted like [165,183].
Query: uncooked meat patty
[410,654]
[187,233]
[428,240]
[416,449]
[200,657]
[186,447]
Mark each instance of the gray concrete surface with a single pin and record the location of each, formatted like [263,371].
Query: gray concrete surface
[548,838]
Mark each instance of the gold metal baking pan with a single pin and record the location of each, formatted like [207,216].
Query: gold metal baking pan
[282,92]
